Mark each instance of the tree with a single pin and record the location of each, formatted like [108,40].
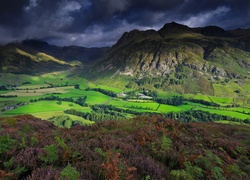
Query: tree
[77,86]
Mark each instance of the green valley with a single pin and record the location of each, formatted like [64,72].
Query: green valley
[22,97]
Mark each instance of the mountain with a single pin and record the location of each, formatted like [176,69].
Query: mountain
[16,58]
[67,53]
[35,57]
[177,56]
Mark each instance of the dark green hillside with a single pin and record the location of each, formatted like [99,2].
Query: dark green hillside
[15,58]
[37,57]
[139,148]
[67,53]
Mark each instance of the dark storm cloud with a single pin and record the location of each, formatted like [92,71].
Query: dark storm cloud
[111,12]
[228,14]
[11,12]
[102,22]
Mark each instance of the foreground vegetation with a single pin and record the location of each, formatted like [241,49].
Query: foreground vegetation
[138,148]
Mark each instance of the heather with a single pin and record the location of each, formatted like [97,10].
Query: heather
[138,148]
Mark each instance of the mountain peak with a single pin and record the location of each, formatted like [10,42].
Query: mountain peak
[174,25]
[137,34]
[212,31]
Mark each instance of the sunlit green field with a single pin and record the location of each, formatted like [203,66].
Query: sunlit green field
[44,107]
[226,112]
[38,87]
[39,92]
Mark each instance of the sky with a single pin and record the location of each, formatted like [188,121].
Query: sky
[99,23]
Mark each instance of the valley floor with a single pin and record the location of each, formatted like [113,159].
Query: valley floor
[32,95]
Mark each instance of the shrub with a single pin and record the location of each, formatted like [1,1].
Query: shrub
[69,173]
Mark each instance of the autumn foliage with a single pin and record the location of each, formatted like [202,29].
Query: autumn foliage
[139,148]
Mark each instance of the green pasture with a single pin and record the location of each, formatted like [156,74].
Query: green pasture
[140,100]
[114,89]
[143,105]
[39,92]
[239,109]
[93,97]
[45,107]
[221,100]
[82,120]
[36,81]
[37,86]
[224,95]
[164,108]
[198,96]
[150,106]
[226,112]
[137,109]
[118,102]
[4,92]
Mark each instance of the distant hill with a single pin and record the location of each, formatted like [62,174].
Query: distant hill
[67,53]
[191,58]
[16,58]
[35,57]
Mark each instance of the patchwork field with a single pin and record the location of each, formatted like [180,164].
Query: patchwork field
[23,98]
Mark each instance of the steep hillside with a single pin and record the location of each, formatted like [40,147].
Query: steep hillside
[177,55]
[15,58]
[139,148]
[35,57]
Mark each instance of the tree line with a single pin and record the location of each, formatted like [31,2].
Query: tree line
[103,91]
[109,112]
[174,101]
[96,117]
[7,96]
[80,101]
[200,101]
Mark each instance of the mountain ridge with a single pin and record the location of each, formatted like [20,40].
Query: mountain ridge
[210,53]
[35,57]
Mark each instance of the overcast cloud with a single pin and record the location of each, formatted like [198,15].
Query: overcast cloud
[101,22]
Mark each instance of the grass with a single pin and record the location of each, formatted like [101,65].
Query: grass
[224,95]
[38,86]
[198,96]
[138,106]
[3,92]
[227,89]
[167,108]
[118,102]
[39,92]
[151,105]
[45,107]
[222,100]
[241,109]
[225,112]
[114,89]
[84,121]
